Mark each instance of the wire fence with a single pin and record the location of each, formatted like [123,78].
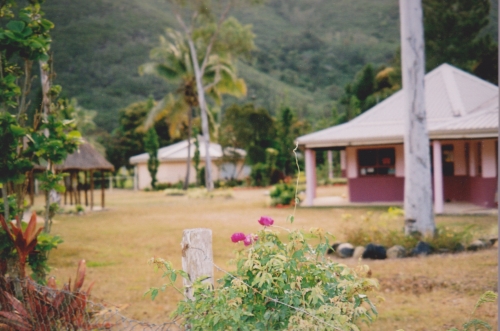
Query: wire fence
[27,306]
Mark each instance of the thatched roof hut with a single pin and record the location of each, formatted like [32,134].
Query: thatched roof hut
[87,160]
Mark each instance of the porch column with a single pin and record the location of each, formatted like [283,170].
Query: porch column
[330,164]
[310,177]
[438,177]
[343,163]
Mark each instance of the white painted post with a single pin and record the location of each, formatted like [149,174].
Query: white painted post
[330,164]
[197,257]
[473,159]
[419,215]
[111,183]
[438,177]
[343,163]
[310,177]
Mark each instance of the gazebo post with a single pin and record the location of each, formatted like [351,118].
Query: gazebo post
[71,188]
[65,191]
[86,189]
[77,177]
[91,189]
[102,189]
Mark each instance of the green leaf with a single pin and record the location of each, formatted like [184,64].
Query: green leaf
[74,134]
[173,276]
[16,26]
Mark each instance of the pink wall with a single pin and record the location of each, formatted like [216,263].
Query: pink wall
[478,190]
[489,163]
[376,189]
[459,158]
[400,160]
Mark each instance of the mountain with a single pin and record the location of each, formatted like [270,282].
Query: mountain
[307,50]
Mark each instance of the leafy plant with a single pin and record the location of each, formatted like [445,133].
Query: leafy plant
[278,285]
[283,194]
[24,241]
[46,308]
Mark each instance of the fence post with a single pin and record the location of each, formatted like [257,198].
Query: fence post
[197,257]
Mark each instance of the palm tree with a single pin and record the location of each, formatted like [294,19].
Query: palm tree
[172,62]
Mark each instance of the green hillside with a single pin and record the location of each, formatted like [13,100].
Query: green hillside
[307,50]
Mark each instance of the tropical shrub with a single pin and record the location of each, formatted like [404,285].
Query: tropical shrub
[47,308]
[278,285]
[283,194]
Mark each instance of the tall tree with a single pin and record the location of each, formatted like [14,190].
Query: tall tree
[206,23]
[288,127]
[172,62]
[453,34]
[151,145]
[418,190]
[128,139]
[252,129]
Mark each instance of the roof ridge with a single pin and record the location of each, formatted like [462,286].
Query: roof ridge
[451,86]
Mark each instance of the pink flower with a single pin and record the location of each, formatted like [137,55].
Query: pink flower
[238,236]
[249,239]
[266,221]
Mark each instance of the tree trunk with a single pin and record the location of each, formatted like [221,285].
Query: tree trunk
[188,160]
[418,190]
[5,197]
[204,116]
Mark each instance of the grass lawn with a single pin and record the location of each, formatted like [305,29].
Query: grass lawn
[432,293]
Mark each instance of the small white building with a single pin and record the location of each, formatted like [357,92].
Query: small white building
[172,168]
[462,121]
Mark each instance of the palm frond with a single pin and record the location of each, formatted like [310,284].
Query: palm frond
[155,111]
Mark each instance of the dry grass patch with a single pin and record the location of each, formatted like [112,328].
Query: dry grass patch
[420,293]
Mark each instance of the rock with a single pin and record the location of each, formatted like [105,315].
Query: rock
[375,252]
[476,245]
[458,248]
[358,252]
[333,249]
[396,252]
[345,250]
[422,249]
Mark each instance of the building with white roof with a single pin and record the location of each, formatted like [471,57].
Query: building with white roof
[462,121]
[172,168]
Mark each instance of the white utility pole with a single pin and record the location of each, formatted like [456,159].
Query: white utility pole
[419,215]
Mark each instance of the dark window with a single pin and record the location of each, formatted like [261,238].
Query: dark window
[373,162]
[448,160]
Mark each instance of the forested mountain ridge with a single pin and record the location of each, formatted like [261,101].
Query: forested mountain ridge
[306,50]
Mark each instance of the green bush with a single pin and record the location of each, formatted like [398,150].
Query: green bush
[278,285]
[282,194]
[260,174]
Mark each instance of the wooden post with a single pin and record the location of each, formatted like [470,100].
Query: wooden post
[91,189]
[103,183]
[77,175]
[417,186]
[71,188]
[86,188]
[197,257]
